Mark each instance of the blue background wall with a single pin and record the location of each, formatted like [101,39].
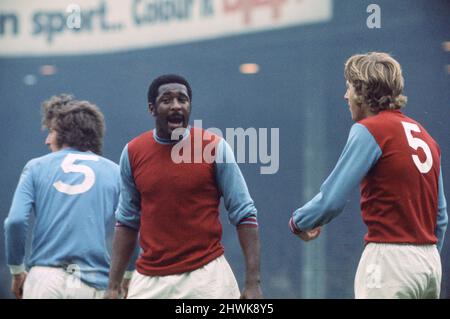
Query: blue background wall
[299,90]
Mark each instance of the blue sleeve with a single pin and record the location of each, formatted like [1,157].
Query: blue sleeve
[237,200]
[117,178]
[128,211]
[360,153]
[16,224]
[442,218]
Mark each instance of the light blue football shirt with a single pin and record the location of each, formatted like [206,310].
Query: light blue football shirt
[73,196]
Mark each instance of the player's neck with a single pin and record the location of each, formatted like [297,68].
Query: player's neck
[367,112]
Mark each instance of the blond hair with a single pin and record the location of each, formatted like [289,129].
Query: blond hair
[377,79]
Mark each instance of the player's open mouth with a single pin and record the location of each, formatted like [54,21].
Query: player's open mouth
[175,121]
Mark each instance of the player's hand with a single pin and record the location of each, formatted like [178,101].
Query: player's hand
[309,234]
[252,291]
[17,284]
[125,286]
[304,235]
[112,294]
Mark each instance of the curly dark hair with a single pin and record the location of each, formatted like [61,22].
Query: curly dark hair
[79,124]
[152,93]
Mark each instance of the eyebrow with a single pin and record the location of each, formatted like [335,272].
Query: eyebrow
[169,94]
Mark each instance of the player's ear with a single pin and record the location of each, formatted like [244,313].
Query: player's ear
[151,108]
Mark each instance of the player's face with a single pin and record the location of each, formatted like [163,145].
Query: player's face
[172,109]
[356,110]
[50,141]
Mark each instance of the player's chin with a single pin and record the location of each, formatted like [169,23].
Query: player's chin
[176,130]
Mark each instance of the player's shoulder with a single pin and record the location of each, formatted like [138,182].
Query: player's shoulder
[148,135]
[41,160]
[385,124]
[358,130]
[108,169]
[110,163]
[207,135]
[140,142]
[361,136]
[201,130]
[375,120]
[39,165]
[386,118]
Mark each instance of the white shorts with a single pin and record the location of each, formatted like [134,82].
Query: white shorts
[56,283]
[215,280]
[398,271]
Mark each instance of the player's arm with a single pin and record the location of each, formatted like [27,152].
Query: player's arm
[16,228]
[241,213]
[130,270]
[360,153]
[124,244]
[249,241]
[126,231]
[132,265]
[442,218]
